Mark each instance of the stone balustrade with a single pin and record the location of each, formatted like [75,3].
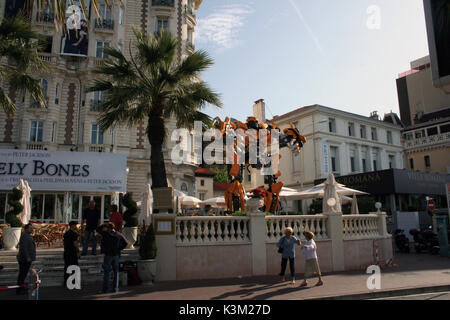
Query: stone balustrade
[300,224]
[212,230]
[360,226]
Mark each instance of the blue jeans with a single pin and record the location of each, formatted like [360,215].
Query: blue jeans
[87,233]
[108,262]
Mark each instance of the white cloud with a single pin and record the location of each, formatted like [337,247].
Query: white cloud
[222,27]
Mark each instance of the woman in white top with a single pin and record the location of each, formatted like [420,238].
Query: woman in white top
[311,262]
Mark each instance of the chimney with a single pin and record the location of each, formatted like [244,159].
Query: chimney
[259,110]
[374,115]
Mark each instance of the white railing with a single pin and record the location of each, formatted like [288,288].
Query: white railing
[360,226]
[277,224]
[212,230]
[35,146]
[424,141]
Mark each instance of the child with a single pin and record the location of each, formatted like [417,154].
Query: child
[287,244]
[311,263]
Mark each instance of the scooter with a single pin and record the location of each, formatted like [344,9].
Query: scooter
[401,241]
[425,240]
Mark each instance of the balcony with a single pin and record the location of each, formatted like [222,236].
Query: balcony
[104,24]
[45,17]
[163,3]
[36,146]
[37,105]
[443,138]
[47,57]
[96,148]
[190,15]
[96,105]
[190,47]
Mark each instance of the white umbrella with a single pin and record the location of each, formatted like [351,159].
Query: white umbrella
[146,205]
[25,215]
[345,199]
[330,192]
[189,201]
[218,202]
[355,209]
[115,199]
[318,192]
[67,207]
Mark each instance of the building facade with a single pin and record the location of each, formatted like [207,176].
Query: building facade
[337,141]
[69,122]
[425,110]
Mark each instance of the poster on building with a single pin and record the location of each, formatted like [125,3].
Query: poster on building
[76,31]
[63,171]
[448,200]
[326,162]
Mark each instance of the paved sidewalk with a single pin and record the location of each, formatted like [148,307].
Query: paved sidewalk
[412,272]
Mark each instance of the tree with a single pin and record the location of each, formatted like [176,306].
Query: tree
[151,86]
[18,46]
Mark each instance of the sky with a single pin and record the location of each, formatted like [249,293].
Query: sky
[344,54]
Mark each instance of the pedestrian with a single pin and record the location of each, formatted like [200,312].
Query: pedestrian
[311,261]
[112,243]
[204,212]
[92,217]
[116,218]
[71,249]
[26,255]
[287,246]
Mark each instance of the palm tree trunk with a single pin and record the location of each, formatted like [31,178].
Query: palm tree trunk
[155,134]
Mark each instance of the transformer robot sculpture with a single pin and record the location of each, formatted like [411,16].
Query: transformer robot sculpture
[235,194]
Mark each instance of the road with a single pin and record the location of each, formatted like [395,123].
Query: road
[424,296]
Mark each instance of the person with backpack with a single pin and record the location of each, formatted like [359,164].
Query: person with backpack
[286,246]
[112,243]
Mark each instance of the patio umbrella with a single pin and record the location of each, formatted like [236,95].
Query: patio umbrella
[67,207]
[355,209]
[190,202]
[345,199]
[218,202]
[330,192]
[25,201]
[146,205]
[318,192]
[115,199]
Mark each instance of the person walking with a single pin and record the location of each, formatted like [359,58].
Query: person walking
[25,256]
[71,249]
[116,218]
[287,245]
[92,217]
[112,243]
[311,261]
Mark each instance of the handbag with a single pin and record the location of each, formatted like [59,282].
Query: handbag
[281,249]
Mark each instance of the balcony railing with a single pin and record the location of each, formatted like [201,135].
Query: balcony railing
[35,146]
[105,24]
[163,3]
[37,105]
[96,148]
[425,141]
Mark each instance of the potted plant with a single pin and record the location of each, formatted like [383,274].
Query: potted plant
[131,222]
[147,250]
[256,200]
[11,234]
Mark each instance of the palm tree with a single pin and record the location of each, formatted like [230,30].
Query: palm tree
[151,85]
[19,59]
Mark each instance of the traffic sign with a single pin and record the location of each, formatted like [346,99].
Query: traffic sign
[431,205]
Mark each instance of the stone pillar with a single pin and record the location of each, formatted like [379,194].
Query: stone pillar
[166,256]
[336,234]
[382,228]
[258,235]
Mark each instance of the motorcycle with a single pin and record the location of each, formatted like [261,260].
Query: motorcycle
[401,241]
[425,240]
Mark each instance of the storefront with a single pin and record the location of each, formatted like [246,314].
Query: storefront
[63,183]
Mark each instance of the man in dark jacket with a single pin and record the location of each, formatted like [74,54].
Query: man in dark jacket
[26,255]
[112,243]
[92,217]
[71,249]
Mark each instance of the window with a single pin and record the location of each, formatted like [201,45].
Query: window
[120,47]
[420,134]
[249,177]
[36,131]
[389,137]
[96,134]
[201,196]
[332,125]
[375,161]
[202,183]
[105,12]
[362,131]
[162,24]
[44,84]
[374,134]
[57,94]
[432,131]
[427,161]
[352,164]
[99,52]
[99,98]
[411,164]
[375,168]
[53,132]
[364,165]
[351,129]
[391,162]
[445,128]
[184,187]
[334,159]
[121,14]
